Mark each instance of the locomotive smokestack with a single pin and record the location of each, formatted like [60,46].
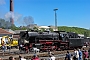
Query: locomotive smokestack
[11,10]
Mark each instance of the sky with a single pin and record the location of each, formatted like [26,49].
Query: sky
[74,13]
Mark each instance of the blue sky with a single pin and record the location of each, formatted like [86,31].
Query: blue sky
[70,12]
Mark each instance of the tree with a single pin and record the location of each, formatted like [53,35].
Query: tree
[51,29]
[42,29]
[13,27]
[78,30]
[35,28]
[86,33]
[4,24]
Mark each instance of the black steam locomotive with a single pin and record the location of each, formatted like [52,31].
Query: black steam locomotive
[56,40]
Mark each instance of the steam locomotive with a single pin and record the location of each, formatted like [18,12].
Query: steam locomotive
[57,40]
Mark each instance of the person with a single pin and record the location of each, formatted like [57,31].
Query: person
[9,48]
[21,58]
[49,52]
[26,49]
[35,57]
[0,58]
[86,44]
[53,57]
[80,54]
[89,52]
[68,56]
[86,55]
[11,58]
[20,47]
[71,56]
[76,55]
[30,47]
[3,47]
[83,52]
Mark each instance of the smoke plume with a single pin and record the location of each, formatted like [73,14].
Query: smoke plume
[28,20]
[15,16]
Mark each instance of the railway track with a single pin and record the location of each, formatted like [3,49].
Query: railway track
[44,55]
[41,57]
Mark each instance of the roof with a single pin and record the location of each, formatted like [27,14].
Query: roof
[44,27]
[81,35]
[9,30]
[2,31]
[18,31]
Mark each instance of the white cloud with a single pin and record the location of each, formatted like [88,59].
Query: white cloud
[2,2]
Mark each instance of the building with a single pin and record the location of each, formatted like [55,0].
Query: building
[5,33]
[44,27]
[54,28]
[11,31]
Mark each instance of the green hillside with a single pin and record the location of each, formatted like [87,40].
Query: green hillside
[78,30]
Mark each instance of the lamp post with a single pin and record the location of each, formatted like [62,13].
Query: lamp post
[55,18]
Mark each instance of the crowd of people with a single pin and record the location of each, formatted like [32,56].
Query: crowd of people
[78,55]
[34,57]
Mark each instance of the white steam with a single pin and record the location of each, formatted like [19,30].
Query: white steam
[15,16]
